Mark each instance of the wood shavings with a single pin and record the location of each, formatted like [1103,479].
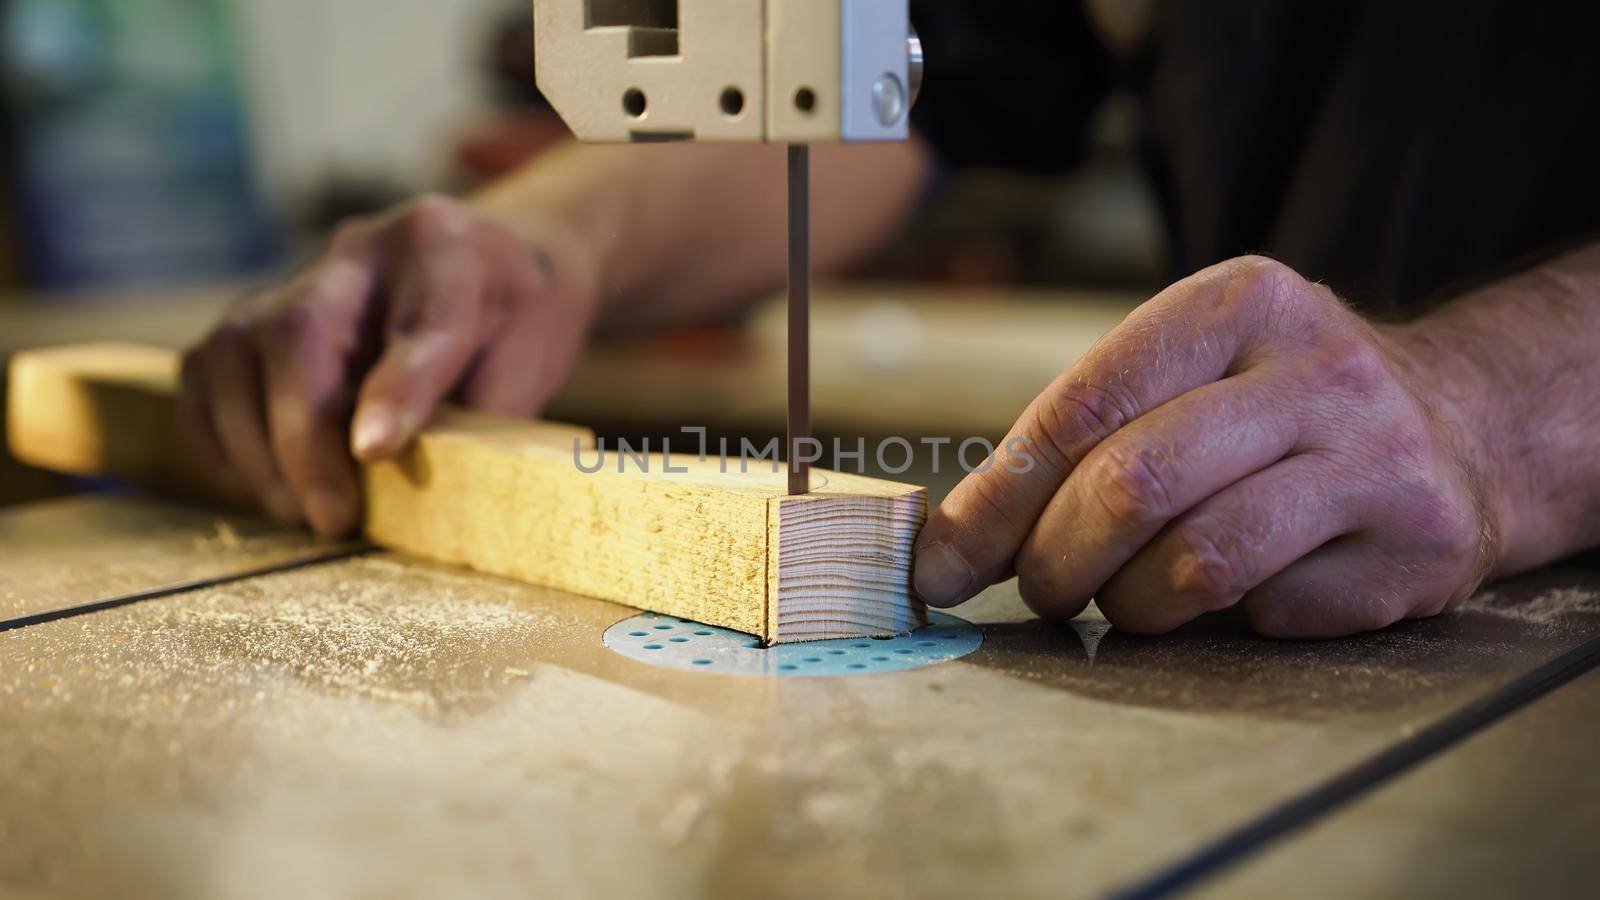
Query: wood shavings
[224,537]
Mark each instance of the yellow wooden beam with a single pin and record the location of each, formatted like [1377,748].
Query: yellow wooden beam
[716,541]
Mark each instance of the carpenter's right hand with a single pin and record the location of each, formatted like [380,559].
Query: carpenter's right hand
[399,312]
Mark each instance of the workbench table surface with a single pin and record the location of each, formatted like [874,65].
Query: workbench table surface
[1513,811]
[52,562]
[379,726]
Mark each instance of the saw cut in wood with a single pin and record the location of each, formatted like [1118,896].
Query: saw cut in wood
[717,541]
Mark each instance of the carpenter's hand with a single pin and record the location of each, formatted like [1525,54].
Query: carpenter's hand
[400,311]
[1242,439]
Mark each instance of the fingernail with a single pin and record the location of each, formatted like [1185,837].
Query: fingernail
[281,506]
[942,576]
[330,511]
[373,430]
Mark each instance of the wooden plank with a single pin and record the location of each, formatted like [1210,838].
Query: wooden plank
[715,541]
[845,516]
[702,543]
[101,409]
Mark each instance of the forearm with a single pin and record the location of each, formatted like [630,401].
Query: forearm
[1518,362]
[680,232]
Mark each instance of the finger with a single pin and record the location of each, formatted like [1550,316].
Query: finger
[307,413]
[1147,474]
[515,376]
[234,394]
[1344,588]
[431,336]
[1231,544]
[200,436]
[1190,334]
[528,359]
[306,361]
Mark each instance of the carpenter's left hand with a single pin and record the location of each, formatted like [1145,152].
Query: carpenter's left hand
[1242,439]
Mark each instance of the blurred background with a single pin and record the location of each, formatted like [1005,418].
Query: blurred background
[163,141]
[158,157]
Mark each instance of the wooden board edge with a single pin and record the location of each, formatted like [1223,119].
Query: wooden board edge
[862,572]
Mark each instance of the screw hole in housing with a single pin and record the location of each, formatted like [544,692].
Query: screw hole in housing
[732,102]
[634,103]
[805,100]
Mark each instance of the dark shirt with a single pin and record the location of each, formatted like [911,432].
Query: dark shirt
[1391,149]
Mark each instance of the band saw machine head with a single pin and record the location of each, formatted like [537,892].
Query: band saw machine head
[793,72]
[743,71]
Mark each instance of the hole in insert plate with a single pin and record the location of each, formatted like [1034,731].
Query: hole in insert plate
[665,641]
[732,102]
[805,100]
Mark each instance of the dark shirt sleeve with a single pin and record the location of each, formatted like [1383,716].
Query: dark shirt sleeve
[1008,83]
[1388,150]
